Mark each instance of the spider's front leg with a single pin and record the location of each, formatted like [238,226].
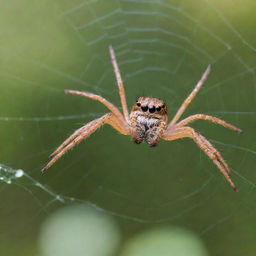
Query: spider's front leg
[191,96]
[84,132]
[174,133]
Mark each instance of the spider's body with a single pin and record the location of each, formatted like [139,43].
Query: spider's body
[148,121]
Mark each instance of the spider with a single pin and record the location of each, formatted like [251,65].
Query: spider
[148,121]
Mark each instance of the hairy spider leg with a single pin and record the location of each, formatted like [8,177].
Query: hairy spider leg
[119,83]
[191,96]
[105,102]
[82,133]
[213,119]
[204,145]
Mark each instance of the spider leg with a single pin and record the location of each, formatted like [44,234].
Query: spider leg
[105,102]
[111,120]
[205,146]
[213,119]
[67,141]
[191,96]
[82,133]
[119,82]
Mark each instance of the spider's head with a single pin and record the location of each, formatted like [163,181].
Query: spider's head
[150,106]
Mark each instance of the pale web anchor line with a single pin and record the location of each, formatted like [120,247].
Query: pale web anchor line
[12,176]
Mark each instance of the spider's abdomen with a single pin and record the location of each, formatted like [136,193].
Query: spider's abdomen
[148,129]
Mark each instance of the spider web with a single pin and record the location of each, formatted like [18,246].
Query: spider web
[162,48]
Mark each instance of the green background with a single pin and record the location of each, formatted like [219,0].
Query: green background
[162,47]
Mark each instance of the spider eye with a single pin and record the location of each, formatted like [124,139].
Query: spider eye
[138,104]
[158,108]
[144,108]
[152,109]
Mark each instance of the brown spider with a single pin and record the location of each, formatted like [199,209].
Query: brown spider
[148,121]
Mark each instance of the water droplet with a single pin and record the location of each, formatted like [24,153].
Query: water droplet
[19,173]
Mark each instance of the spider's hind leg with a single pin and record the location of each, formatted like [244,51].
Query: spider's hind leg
[66,142]
[205,146]
[84,132]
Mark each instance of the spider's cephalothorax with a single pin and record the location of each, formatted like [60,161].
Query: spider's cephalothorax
[148,120]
